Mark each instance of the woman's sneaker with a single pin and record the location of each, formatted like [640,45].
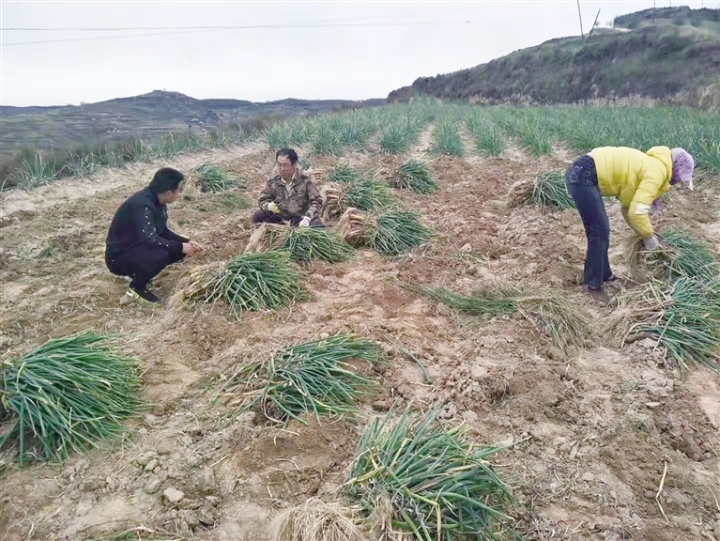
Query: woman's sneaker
[614,283]
[599,295]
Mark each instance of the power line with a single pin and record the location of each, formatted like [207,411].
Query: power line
[256,27]
[198,29]
[215,27]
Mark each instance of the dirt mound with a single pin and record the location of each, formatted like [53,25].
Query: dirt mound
[596,427]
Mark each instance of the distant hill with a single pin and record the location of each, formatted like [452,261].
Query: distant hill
[669,54]
[145,116]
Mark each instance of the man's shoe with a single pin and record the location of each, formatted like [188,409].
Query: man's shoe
[599,295]
[144,294]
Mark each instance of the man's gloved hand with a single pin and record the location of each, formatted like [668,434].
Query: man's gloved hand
[272,207]
[651,243]
[305,222]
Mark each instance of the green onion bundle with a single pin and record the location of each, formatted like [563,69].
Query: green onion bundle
[684,255]
[439,487]
[254,282]
[415,175]
[311,378]
[549,311]
[213,179]
[68,395]
[549,191]
[685,318]
[397,232]
[368,194]
[344,174]
[306,244]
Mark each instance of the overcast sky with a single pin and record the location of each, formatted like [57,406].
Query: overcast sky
[361,50]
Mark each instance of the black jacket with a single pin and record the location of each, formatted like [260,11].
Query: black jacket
[141,220]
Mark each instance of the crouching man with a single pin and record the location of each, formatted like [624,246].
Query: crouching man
[289,196]
[139,243]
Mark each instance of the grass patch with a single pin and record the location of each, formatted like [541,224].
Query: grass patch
[32,172]
[427,480]
[397,232]
[67,395]
[314,378]
[415,175]
[213,179]
[550,312]
[254,282]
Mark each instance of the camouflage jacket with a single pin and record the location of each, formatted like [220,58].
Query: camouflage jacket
[298,198]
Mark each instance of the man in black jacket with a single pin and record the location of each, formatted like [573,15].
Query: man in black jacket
[139,243]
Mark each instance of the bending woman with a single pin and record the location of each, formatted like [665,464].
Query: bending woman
[637,179]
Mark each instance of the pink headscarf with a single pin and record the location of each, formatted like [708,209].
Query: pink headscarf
[683,165]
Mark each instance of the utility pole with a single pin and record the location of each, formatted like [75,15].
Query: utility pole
[582,35]
[593,26]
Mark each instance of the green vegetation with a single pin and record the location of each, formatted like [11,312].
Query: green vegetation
[671,62]
[255,282]
[487,135]
[684,318]
[397,232]
[314,378]
[67,395]
[680,307]
[362,190]
[550,312]
[396,128]
[344,174]
[446,139]
[415,175]
[428,481]
[547,190]
[225,201]
[368,194]
[212,178]
[306,244]
[684,255]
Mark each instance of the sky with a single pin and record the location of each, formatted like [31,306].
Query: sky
[307,50]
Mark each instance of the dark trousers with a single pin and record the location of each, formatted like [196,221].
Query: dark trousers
[582,185]
[270,218]
[141,263]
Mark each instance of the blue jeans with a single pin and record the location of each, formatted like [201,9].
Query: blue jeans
[582,185]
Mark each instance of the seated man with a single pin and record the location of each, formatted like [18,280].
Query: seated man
[291,195]
[139,243]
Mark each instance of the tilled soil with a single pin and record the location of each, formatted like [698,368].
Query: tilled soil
[598,426]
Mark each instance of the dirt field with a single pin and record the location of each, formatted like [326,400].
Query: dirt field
[600,424]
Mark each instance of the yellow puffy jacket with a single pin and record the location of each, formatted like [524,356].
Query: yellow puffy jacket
[636,178]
